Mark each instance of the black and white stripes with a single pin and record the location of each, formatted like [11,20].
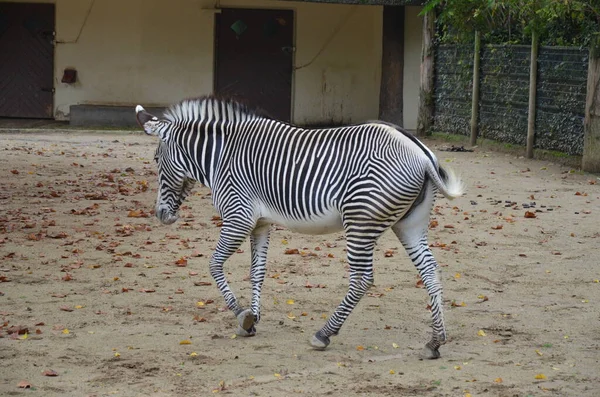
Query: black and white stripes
[362,179]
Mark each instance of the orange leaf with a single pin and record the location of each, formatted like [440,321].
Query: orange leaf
[24,385]
[291,251]
[529,214]
[497,227]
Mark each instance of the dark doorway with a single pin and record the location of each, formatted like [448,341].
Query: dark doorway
[253,55]
[26,60]
[391,95]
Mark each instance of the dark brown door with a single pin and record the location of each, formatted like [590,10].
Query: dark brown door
[26,60]
[254,53]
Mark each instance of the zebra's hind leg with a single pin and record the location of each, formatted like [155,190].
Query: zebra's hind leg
[259,244]
[360,257]
[412,232]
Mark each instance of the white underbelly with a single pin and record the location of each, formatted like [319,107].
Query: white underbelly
[329,222]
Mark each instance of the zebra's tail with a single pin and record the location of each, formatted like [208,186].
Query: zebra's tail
[446,180]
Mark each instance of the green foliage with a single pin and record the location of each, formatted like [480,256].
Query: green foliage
[558,22]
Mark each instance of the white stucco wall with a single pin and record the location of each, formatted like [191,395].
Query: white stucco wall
[156,52]
[413,35]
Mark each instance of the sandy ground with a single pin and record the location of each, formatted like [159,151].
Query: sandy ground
[95,291]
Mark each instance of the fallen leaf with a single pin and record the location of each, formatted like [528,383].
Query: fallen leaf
[181,262]
[360,348]
[24,385]
[146,290]
[66,308]
[497,227]
[540,376]
[498,380]
[50,372]
[291,251]
[481,333]
[202,283]
[290,301]
[185,342]
[529,214]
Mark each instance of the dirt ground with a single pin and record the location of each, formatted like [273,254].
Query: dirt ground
[96,292]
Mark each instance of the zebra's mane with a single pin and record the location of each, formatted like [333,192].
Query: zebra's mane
[202,107]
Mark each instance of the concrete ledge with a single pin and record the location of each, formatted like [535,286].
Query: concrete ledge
[106,115]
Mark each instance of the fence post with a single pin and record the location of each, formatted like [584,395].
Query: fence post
[475,96]
[532,94]
[591,125]
[426,101]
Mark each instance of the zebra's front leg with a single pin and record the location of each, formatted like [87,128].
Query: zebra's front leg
[230,239]
[259,244]
[360,258]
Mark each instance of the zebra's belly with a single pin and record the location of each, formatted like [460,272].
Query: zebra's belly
[329,222]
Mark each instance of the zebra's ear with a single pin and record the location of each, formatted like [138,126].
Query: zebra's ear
[147,121]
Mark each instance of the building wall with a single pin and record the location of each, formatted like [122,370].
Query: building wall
[413,35]
[156,52]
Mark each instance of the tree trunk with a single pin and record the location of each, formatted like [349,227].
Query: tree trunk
[591,137]
[391,97]
[426,99]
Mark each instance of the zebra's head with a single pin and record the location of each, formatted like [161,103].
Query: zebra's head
[173,184]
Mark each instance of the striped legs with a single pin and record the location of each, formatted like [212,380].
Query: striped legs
[230,239]
[360,258]
[412,232]
[259,243]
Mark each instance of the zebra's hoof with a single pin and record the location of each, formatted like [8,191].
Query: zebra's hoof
[319,341]
[246,323]
[242,332]
[430,354]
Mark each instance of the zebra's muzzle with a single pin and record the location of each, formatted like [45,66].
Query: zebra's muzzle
[165,216]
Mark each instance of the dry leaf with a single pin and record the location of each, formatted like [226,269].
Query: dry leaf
[481,333]
[529,214]
[50,372]
[185,342]
[24,385]
[540,376]
[291,251]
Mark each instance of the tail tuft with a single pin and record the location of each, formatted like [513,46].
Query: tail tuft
[454,185]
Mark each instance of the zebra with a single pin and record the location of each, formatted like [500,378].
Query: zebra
[361,179]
